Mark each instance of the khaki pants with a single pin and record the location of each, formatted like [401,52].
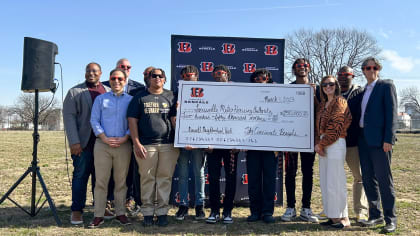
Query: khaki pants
[107,158]
[156,173]
[360,204]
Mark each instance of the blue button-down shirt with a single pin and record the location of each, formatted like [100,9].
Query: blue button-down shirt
[109,115]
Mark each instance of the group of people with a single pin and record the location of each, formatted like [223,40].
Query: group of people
[121,133]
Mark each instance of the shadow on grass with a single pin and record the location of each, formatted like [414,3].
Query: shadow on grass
[15,218]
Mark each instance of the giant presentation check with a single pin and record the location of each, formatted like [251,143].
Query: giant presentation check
[250,116]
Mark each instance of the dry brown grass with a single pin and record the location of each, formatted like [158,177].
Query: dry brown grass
[15,157]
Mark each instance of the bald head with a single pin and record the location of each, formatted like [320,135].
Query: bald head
[125,65]
[345,69]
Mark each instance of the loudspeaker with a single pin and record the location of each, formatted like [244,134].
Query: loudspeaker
[38,65]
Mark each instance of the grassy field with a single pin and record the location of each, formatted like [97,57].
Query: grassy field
[15,157]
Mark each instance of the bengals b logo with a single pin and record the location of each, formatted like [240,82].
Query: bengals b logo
[271,50]
[184,47]
[249,67]
[206,66]
[244,178]
[228,48]
[197,92]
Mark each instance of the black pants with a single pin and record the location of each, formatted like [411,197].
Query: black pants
[132,181]
[214,162]
[262,170]
[291,164]
[377,180]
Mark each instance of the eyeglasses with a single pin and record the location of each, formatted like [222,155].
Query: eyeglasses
[188,75]
[219,73]
[261,78]
[92,71]
[375,68]
[331,84]
[124,67]
[155,76]
[306,65]
[345,74]
[116,78]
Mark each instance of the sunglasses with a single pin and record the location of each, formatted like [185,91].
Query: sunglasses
[306,65]
[188,75]
[155,76]
[345,74]
[331,84]
[117,78]
[124,67]
[261,78]
[219,73]
[375,68]
[93,71]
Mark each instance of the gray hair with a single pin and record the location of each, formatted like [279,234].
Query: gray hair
[376,61]
[121,60]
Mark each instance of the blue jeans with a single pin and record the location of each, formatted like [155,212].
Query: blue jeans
[197,160]
[83,168]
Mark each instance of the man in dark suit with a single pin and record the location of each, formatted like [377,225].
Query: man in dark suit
[132,87]
[133,179]
[378,121]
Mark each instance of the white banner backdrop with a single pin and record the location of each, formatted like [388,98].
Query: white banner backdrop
[251,116]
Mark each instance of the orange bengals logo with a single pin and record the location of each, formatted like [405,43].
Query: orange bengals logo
[271,50]
[228,48]
[249,67]
[197,92]
[206,66]
[184,47]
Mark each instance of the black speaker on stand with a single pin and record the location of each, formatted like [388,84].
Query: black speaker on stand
[37,76]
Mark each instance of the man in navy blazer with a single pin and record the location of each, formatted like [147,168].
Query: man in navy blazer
[378,123]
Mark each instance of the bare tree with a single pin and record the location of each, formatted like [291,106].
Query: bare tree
[410,97]
[4,116]
[329,49]
[25,106]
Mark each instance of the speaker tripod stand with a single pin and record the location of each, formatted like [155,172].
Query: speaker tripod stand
[35,171]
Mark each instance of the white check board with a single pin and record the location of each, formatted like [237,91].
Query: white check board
[251,116]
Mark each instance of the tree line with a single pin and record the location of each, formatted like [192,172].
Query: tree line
[327,50]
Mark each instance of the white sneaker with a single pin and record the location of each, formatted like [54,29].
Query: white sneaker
[289,214]
[306,215]
[321,216]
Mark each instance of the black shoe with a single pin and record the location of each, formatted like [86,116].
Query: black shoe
[199,213]
[148,221]
[268,219]
[253,218]
[327,223]
[213,218]
[338,225]
[162,220]
[181,213]
[389,227]
[373,222]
